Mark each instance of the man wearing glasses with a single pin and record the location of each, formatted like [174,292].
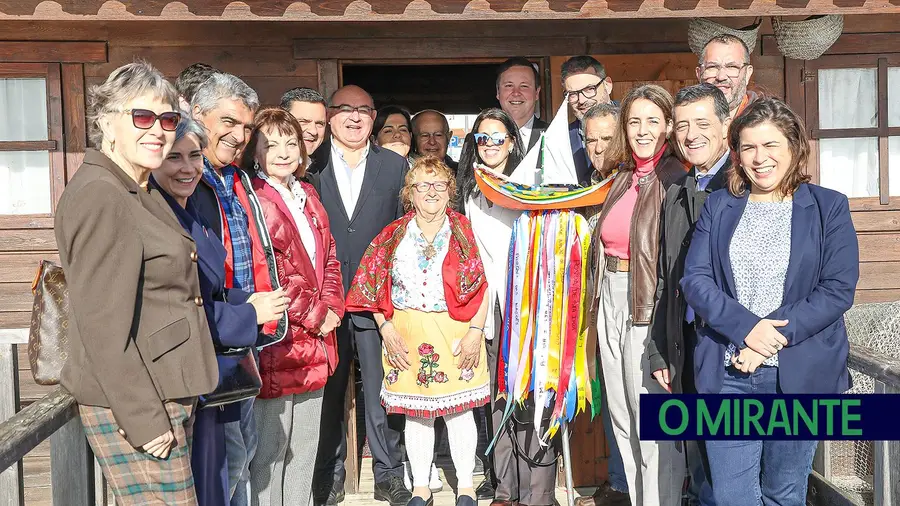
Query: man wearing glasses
[725,62]
[586,85]
[359,184]
[431,136]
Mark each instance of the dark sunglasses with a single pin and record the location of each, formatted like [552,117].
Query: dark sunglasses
[144,119]
[497,138]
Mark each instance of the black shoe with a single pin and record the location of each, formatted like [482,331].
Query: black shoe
[485,491]
[335,497]
[393,491]
[418,501]
[605,496]
[465,500]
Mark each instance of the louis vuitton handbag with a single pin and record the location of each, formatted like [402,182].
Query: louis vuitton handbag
[48,339]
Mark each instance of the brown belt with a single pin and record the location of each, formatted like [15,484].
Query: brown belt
[616,264]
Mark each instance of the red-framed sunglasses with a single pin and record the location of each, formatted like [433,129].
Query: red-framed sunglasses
[144,119]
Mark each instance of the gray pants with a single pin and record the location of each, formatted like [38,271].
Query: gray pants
[281,473]
[655,469]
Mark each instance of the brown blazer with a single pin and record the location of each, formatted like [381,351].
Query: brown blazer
[139,334]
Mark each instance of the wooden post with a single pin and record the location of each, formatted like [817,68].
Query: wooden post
[11,491]
[351,463]
[887,461]
[822,459]
[71,466]
[329,77]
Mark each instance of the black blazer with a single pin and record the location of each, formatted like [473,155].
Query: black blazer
[537,128]
[377,206]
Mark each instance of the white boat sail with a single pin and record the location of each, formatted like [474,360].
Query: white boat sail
[558,165]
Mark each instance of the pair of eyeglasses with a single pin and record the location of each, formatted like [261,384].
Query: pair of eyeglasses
[363,110]
[144,119]
[439,186]
[427,136]
[587,91]
[732,70]
[497,138]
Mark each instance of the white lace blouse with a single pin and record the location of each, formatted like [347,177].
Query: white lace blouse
[417,280]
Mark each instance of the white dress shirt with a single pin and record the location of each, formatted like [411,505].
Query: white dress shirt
[349,179]
[525,132]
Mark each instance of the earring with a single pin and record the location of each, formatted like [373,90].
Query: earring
[112,146]
[256,165]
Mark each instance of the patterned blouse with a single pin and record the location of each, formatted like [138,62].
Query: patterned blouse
[760,251]
[417,279]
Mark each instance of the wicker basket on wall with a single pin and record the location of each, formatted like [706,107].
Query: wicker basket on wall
[702,30]
[807,39]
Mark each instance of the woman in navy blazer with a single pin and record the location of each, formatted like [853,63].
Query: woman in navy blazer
[771,270]
[233,315]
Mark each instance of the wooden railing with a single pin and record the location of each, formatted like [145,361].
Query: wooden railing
[885,371]
[77,481]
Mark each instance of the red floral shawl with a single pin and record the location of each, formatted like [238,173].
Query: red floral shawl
[463,272]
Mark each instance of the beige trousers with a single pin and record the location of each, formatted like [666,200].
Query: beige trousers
[655,470]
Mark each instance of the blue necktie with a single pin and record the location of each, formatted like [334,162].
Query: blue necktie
[703,181]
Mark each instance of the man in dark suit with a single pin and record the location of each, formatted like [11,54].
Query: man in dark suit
[359,184]
[586,85]
[431,136]
[518,90]
[701,130]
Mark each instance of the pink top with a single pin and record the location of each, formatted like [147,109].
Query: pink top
[615,231]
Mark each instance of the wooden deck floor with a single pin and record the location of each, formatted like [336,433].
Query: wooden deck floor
[446,497]
[37,483]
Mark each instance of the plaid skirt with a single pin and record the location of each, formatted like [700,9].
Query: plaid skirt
[138,478]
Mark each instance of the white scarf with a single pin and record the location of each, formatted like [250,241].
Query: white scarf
[295,199]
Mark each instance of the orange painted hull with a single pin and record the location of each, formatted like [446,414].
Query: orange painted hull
[509,201]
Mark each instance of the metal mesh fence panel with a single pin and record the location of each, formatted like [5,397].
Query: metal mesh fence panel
[876,326]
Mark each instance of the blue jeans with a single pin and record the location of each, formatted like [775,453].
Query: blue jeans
[771,473]
[240,447]
[615,468]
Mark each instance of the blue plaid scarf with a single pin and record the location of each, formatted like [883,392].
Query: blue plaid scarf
[242,249]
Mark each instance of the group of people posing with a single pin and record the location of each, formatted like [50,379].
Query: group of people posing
[205,238]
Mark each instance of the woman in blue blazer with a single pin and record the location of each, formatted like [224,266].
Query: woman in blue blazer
[771,270]
[233,315]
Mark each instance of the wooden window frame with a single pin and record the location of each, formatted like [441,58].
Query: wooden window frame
[879,62]
[54,144]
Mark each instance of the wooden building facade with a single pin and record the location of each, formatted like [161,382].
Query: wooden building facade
[52,51]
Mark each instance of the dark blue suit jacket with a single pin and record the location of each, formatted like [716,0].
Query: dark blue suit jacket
[377,206]
[232,322]
[821,280]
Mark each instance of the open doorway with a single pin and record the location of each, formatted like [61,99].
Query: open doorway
[459,90]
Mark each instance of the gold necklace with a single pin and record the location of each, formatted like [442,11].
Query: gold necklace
[430,251]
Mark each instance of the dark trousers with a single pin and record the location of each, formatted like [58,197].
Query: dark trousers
[523,471]
[383,431]
[700,491]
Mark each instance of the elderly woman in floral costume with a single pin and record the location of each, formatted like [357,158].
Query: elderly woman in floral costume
[425,284]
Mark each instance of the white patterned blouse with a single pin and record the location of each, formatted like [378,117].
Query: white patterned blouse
[417,280]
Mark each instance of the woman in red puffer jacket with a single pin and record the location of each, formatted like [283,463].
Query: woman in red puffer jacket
[295,370]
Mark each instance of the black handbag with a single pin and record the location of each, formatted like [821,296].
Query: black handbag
[243,383]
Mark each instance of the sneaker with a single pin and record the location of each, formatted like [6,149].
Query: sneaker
[485,491]
[393,491]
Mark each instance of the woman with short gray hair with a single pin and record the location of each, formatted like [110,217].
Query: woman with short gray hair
[136,307]
[232,314]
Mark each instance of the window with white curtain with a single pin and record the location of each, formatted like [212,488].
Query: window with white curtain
[849,127]
[24,175]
